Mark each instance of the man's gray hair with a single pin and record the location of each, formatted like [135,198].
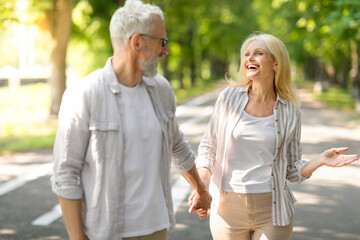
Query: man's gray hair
[134,17]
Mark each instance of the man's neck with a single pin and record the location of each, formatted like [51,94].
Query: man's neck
[126,68]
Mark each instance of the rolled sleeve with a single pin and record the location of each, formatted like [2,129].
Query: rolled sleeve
[70,145]
[183,157]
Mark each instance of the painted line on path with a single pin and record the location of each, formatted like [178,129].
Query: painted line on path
[48,217]
[22,180]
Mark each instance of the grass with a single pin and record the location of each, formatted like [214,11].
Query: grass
[334,97]
[24,122]
[337,98]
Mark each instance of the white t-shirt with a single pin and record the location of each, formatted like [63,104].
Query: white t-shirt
[250,155]
[145,207]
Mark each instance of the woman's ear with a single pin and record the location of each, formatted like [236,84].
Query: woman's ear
[275,67]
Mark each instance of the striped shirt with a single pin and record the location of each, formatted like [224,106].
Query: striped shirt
[287,162]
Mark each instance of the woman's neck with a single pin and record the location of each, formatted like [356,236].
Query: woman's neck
[262,94]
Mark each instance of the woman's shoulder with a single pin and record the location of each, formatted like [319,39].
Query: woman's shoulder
[231,91]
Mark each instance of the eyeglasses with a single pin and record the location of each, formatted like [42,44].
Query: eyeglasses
[164,40]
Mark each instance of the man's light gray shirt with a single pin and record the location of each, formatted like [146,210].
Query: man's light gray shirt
[89,148]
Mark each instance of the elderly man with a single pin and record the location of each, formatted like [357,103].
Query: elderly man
[117,137]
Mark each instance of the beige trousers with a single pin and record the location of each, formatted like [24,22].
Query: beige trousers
[246,217]
[159,235]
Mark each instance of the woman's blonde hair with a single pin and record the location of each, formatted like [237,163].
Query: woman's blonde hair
[283,84]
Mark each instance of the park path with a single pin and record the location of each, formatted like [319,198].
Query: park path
[327,206]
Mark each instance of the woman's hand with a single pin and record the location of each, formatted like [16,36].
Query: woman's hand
[333,157]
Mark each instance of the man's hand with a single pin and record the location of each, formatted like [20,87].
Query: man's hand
[200,204]
[200,198]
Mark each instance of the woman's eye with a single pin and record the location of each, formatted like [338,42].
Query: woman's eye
[259,53]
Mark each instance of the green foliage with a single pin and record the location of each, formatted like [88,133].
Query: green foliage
[24,123]
[206,35]
[26,143]
[337,98]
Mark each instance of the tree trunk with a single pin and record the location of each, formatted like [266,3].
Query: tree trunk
[61,30]
[218,68]
[310,68]
[164,66]
[355,74]
[345,73]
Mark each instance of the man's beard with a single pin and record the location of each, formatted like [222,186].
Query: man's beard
[149,66]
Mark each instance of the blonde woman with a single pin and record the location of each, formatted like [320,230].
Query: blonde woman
[251,148]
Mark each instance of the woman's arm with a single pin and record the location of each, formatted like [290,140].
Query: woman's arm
[330,158]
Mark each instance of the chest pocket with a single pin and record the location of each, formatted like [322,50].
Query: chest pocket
[104,140]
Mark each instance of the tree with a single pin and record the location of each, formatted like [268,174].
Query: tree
[53,16]
[59,22]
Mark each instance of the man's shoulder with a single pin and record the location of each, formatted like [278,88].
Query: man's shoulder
[162,81]
[88,82]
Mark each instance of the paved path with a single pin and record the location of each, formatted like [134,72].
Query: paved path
[327,206]
[328,203]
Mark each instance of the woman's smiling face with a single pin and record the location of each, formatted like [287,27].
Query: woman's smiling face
[258,62]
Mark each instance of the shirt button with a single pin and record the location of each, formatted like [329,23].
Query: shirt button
[278,132]
[274,202]
[276,120]
[274,160]
[273,188]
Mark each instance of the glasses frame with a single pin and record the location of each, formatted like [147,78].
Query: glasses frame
[164,40]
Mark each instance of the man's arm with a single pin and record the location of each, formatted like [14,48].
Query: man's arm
[71,210]
[202,198]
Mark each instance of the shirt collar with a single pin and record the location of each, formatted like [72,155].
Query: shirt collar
[278,99]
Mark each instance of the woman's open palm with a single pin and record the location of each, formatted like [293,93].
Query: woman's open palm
[333,157]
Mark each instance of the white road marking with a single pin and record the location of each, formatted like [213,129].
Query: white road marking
[22,180]
[48,217]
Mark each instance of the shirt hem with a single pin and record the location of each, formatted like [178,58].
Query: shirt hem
[146,232]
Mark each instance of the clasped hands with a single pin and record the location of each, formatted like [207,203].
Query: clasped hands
[200,203]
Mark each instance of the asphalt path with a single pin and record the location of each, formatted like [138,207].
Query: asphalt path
[327,206]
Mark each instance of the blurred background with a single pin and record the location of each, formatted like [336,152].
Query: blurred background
[46,44]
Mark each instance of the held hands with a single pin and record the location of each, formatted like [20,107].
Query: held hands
[333,157]
[200,203]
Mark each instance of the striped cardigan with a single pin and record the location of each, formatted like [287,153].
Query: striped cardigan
[287,162]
